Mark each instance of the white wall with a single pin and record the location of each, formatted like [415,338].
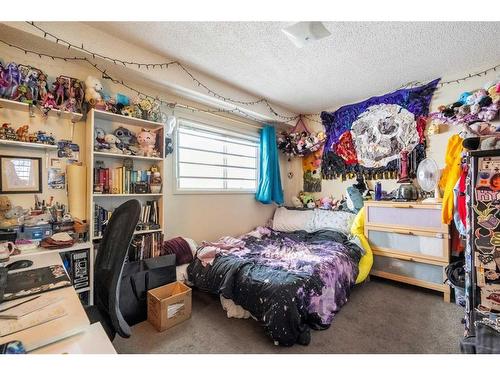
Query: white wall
[436,144]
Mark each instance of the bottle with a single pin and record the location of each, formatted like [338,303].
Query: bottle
[378,191]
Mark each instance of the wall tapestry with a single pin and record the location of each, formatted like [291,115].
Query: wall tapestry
[311,167]
[368,138]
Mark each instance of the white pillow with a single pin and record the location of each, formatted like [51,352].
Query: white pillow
[333,220]
[292,220]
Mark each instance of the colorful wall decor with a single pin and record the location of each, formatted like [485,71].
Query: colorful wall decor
[311,168]
[367,138]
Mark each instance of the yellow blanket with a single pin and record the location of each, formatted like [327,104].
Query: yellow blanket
[366,262]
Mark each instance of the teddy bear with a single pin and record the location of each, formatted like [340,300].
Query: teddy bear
[93,88]
[147,140]
[22,133]
[113,142]
[5,206]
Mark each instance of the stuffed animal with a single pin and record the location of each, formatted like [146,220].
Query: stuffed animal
[5,206]
[307,200]
[113,142]
[22,133]
[489,113]
[326,203]
[99,141]
[93,89]
[297,203]
[13,217]
[147,140]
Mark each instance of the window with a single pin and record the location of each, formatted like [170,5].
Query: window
[214,159]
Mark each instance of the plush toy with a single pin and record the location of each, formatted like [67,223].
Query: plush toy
[93,89]
[13,217]
[307,200]
[490,142]
[490,112]
[147,140]
[125,136]
[99,142]
[113,142]
[326,203]
[5,206]
[22,133]
[297,203]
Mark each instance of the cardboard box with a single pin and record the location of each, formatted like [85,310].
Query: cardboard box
[169,305]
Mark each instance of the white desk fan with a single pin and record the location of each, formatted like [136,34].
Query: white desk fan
[428,179]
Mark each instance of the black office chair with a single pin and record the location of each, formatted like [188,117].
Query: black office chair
[108,269]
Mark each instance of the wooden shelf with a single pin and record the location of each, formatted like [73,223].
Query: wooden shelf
[137,232]
[123,156]
[127,120]
[5,142]
[25,107]
[128,195]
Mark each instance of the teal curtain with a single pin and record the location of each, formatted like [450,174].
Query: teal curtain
[269,189]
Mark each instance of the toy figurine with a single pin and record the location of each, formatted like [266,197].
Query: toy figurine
[48,103]
[7,132]
[59,90]
[12,77]
[78,94]
[42,137]
[69,105]
[147,141]
[31,80]
[22,133]
[42,87]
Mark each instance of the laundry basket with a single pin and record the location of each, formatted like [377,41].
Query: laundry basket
[455,277]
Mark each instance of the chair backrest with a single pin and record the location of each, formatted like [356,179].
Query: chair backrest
[110,261]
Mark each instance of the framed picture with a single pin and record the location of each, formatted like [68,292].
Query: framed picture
[20,174]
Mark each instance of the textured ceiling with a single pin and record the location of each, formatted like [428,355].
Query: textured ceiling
[358,60]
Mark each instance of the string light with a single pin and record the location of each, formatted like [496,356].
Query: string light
[105,75]
[163,65]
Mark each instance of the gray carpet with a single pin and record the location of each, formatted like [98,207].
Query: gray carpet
[381,317]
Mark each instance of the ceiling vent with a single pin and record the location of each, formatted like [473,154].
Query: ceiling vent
[303,33]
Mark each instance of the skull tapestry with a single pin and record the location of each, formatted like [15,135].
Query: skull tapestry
[368,138]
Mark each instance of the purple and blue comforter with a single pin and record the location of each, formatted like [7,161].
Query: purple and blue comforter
[290,282]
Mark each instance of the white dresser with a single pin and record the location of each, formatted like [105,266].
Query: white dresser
[410,244]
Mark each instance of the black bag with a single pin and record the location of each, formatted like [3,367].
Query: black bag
[139,277]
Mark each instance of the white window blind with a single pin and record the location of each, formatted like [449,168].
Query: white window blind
[214,159]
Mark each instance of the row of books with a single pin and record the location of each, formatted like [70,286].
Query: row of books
[149,218]
[120,180]
[145,246]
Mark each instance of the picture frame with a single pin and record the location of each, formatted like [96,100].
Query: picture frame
[20,174]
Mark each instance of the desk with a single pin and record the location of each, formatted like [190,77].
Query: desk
[73,323]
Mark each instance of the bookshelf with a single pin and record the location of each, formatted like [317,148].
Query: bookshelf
[107,201]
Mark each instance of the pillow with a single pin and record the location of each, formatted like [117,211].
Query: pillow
[291,220]
[332,220]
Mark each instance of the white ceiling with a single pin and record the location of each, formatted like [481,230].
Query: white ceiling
[358,60]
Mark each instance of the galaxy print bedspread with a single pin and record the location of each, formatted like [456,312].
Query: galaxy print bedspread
[290,282]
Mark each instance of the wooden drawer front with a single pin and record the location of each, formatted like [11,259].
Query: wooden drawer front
[428,273]
[405,217]
[413,243]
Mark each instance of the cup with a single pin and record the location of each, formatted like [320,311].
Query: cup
[6,250]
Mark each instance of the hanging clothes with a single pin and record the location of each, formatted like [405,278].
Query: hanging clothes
[450,175]
[269,189]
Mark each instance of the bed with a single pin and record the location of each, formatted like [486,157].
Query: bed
[291,277]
